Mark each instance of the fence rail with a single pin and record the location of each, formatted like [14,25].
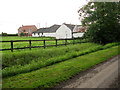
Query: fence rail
[44,43]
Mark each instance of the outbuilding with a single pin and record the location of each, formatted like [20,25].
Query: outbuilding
[46,32]
[61,31]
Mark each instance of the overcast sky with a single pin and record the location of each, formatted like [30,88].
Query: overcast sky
[42,13]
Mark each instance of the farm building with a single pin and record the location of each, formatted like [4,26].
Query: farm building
[46,32]
[60,31]
[27,30]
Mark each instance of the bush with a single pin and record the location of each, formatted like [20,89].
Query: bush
[22,34]
[4,34]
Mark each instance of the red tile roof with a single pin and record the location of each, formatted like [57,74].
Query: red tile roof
[81,30]
[28,27]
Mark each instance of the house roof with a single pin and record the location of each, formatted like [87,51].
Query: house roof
[81,29]
[28,27]
[70,26]
[54,28]
[48,30]
[41,30]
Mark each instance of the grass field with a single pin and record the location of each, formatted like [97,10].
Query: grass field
[40,67]
[8,38]
[21,62]
[49,76]
[7,45]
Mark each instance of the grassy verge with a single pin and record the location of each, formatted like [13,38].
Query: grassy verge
[51,75]
[25,57]
[16,63]
[34,65]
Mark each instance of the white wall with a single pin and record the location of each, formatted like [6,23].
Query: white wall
[63,32]
[44,34]
[36,35]
[75,28]
[78,34]
[49,34]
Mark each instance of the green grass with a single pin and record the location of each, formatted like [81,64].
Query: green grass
[35,60]
[51,75]
[21,62]
[11,59]
[26,61]
[9,38]
[7,45]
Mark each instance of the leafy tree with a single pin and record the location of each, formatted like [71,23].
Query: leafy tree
[4,34]
[22,34]
[103,21]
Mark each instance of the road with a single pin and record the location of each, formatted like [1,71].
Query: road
[102,75]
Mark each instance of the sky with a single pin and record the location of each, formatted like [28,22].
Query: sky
[42,13]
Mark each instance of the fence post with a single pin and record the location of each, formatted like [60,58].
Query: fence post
[65,41]
[56,42]
[30,44]
[11,46]
[73,41]
[80,41]
[44,43]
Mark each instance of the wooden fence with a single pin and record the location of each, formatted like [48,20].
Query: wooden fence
[44,43]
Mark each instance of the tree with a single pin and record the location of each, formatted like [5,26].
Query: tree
[103,21]
[4,34]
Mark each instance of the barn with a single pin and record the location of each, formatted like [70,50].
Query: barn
[61,31]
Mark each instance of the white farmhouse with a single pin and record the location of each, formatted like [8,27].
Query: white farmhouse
[61,32]
[64,31]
